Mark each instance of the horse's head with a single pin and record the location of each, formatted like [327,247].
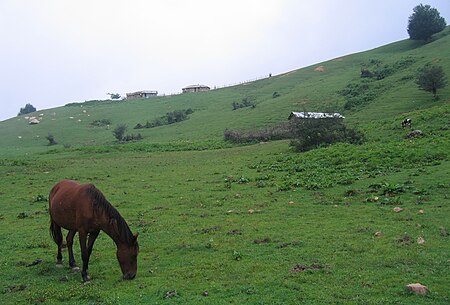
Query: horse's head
[127,255]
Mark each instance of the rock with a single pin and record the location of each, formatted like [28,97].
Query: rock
[33,121]
[421,211]
[414,134]
[378,234]
[420,240]
[171,294]
[417,288]
[397,209]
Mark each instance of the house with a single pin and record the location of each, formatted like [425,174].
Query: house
[315,115]
[195,88]
[142,94]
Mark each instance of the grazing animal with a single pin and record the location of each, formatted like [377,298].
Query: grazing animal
[406,122]
[84,209]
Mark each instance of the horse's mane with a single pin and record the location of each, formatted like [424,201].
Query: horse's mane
[100,203]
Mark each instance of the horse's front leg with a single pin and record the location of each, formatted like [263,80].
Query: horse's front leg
[91,240]
[84,256]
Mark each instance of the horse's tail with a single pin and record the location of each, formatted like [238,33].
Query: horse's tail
[55,230]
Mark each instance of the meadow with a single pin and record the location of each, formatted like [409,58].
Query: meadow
[244,224]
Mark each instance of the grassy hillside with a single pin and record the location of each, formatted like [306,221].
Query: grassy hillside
[308,89]
[255,224]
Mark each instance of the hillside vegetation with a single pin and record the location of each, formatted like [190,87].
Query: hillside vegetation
[245,224]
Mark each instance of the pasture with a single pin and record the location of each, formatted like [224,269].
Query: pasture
[239,226]
[258,224]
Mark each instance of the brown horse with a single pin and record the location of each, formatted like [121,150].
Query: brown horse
[82,208]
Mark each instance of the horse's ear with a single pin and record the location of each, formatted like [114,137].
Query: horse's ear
[135,235]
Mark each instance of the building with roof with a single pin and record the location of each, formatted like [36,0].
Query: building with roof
[142,94]
[195,88]
[315,115]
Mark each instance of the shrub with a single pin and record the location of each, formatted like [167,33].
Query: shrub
[100,123]
[119,131]
[170,118]
[51,139]
[246,102]
[312,133]
[278,132]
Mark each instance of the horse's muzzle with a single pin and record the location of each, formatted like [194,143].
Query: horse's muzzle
[129,276]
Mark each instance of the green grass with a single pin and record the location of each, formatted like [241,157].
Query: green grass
[235,220]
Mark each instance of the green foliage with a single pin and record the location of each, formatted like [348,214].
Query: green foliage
[431,78]
[27,109]
[424,22]
[311,133]
[221,223]
[101,122]
[51,139]
[278,132]
[246,102]
[119,131]
[170,118]
[114,96]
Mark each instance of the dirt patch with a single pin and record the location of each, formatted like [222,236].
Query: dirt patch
[235,232]
[262,241]
[301,268]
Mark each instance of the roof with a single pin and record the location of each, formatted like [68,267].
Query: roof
[316,115]
[144,91]
[196,86]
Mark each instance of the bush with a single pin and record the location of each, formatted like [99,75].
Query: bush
[100,123]
[246,102]
[312,133]
[51,139]
[278,132]
[170,118]
[119,131]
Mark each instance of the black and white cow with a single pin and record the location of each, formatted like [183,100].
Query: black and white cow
[406,122]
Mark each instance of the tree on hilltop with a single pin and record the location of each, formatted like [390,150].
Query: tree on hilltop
[424,22]
[27,109]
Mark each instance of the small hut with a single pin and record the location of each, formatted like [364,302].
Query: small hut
[315,115]
[195,88]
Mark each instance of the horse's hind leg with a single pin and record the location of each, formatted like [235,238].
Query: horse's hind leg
[58,238]
[69,240]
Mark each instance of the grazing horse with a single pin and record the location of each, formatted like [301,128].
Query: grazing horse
[82,208]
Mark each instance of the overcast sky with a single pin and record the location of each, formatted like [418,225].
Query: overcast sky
[53,52]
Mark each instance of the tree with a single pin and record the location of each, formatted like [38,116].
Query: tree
[27,109]
[424,22]
[431,78]
[114,96]
[119,131]
[310,133]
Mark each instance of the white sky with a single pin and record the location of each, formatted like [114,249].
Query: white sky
[53,52]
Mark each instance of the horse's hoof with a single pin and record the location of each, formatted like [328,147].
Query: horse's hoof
[59,265]
[75,269]
[86,279]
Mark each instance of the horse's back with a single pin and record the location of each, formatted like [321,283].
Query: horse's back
[69,204]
